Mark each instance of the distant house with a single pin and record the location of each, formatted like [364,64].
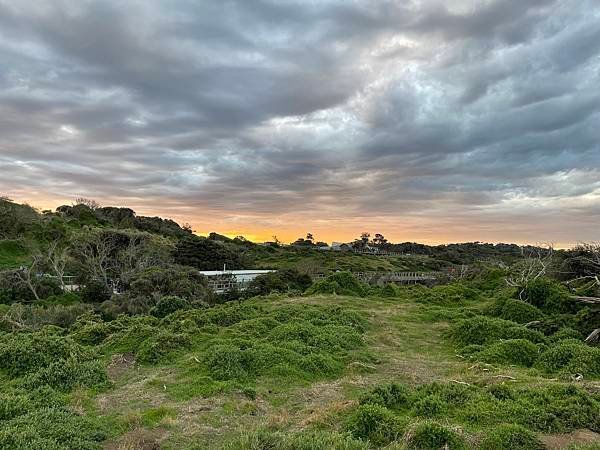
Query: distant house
[337,246]
[224,280]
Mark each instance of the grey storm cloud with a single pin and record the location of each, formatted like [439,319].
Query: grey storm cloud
[390,108]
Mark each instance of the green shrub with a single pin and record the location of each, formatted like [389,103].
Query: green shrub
[429,406]
[514,310]
[321,364]
[257,328]
[393,396]
[432,436]
[65,298]
[226,362]
[262,357]
[571,356]
[566,333]
[374,423]
[449,294]
[50,428]
[510,436]
[285,280]
[159,346]
[21,401]
[95,291]
[490,280]
[501,392]
[127,333]
[13,405]
[547,294]
[65,374]
[300,341]
[551,409]
[554,408]
[306,440]
[390,290]
[23,353]
[229,314]
[340,283]
[168,305]
[92,333]
[327,337]
[485,330]
[519,352]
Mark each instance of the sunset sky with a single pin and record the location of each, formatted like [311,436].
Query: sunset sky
[431,121]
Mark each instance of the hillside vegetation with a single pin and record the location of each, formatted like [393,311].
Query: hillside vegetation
[494,358]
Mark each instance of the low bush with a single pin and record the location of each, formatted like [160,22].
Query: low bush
[392,396]
[17,402]
[36,316]
[548,295]
[510,436]
[285,280]
[159,346]
[566,333]
[50,428]
[300,341]
[226,362]
[168,305]
[514,310]
[571,356]
[13,405]
[429,406]
[450,393]
[65,374]
[432,436]
[556,408]
[448,294]
[520,352]
[390,290]
[374,423]
[485,330]
[305,440]
[23,353]
[91,333]
[127,333]
[340,283]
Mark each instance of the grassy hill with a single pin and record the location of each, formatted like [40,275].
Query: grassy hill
[315,371]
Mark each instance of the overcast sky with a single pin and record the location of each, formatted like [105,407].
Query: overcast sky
[425,120]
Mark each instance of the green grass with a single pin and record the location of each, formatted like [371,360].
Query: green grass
[316,372]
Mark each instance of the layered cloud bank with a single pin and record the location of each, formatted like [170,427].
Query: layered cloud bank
[422,120]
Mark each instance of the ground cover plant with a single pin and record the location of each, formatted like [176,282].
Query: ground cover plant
[516,332]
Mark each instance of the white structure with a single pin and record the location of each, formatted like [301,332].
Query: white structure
[224,280]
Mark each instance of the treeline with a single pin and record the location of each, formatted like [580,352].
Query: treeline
[85,253]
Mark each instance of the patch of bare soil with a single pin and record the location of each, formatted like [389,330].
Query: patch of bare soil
[138,439]
[119,364]
[579,437]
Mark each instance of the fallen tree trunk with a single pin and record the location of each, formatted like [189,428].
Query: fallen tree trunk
[594,337]
[587,300]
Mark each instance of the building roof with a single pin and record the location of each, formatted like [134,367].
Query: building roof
[210,273]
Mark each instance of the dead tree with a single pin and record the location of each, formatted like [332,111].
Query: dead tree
[535,264]
[57,257]
[589,258]
[96,252]
[29,277]
[594,337]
